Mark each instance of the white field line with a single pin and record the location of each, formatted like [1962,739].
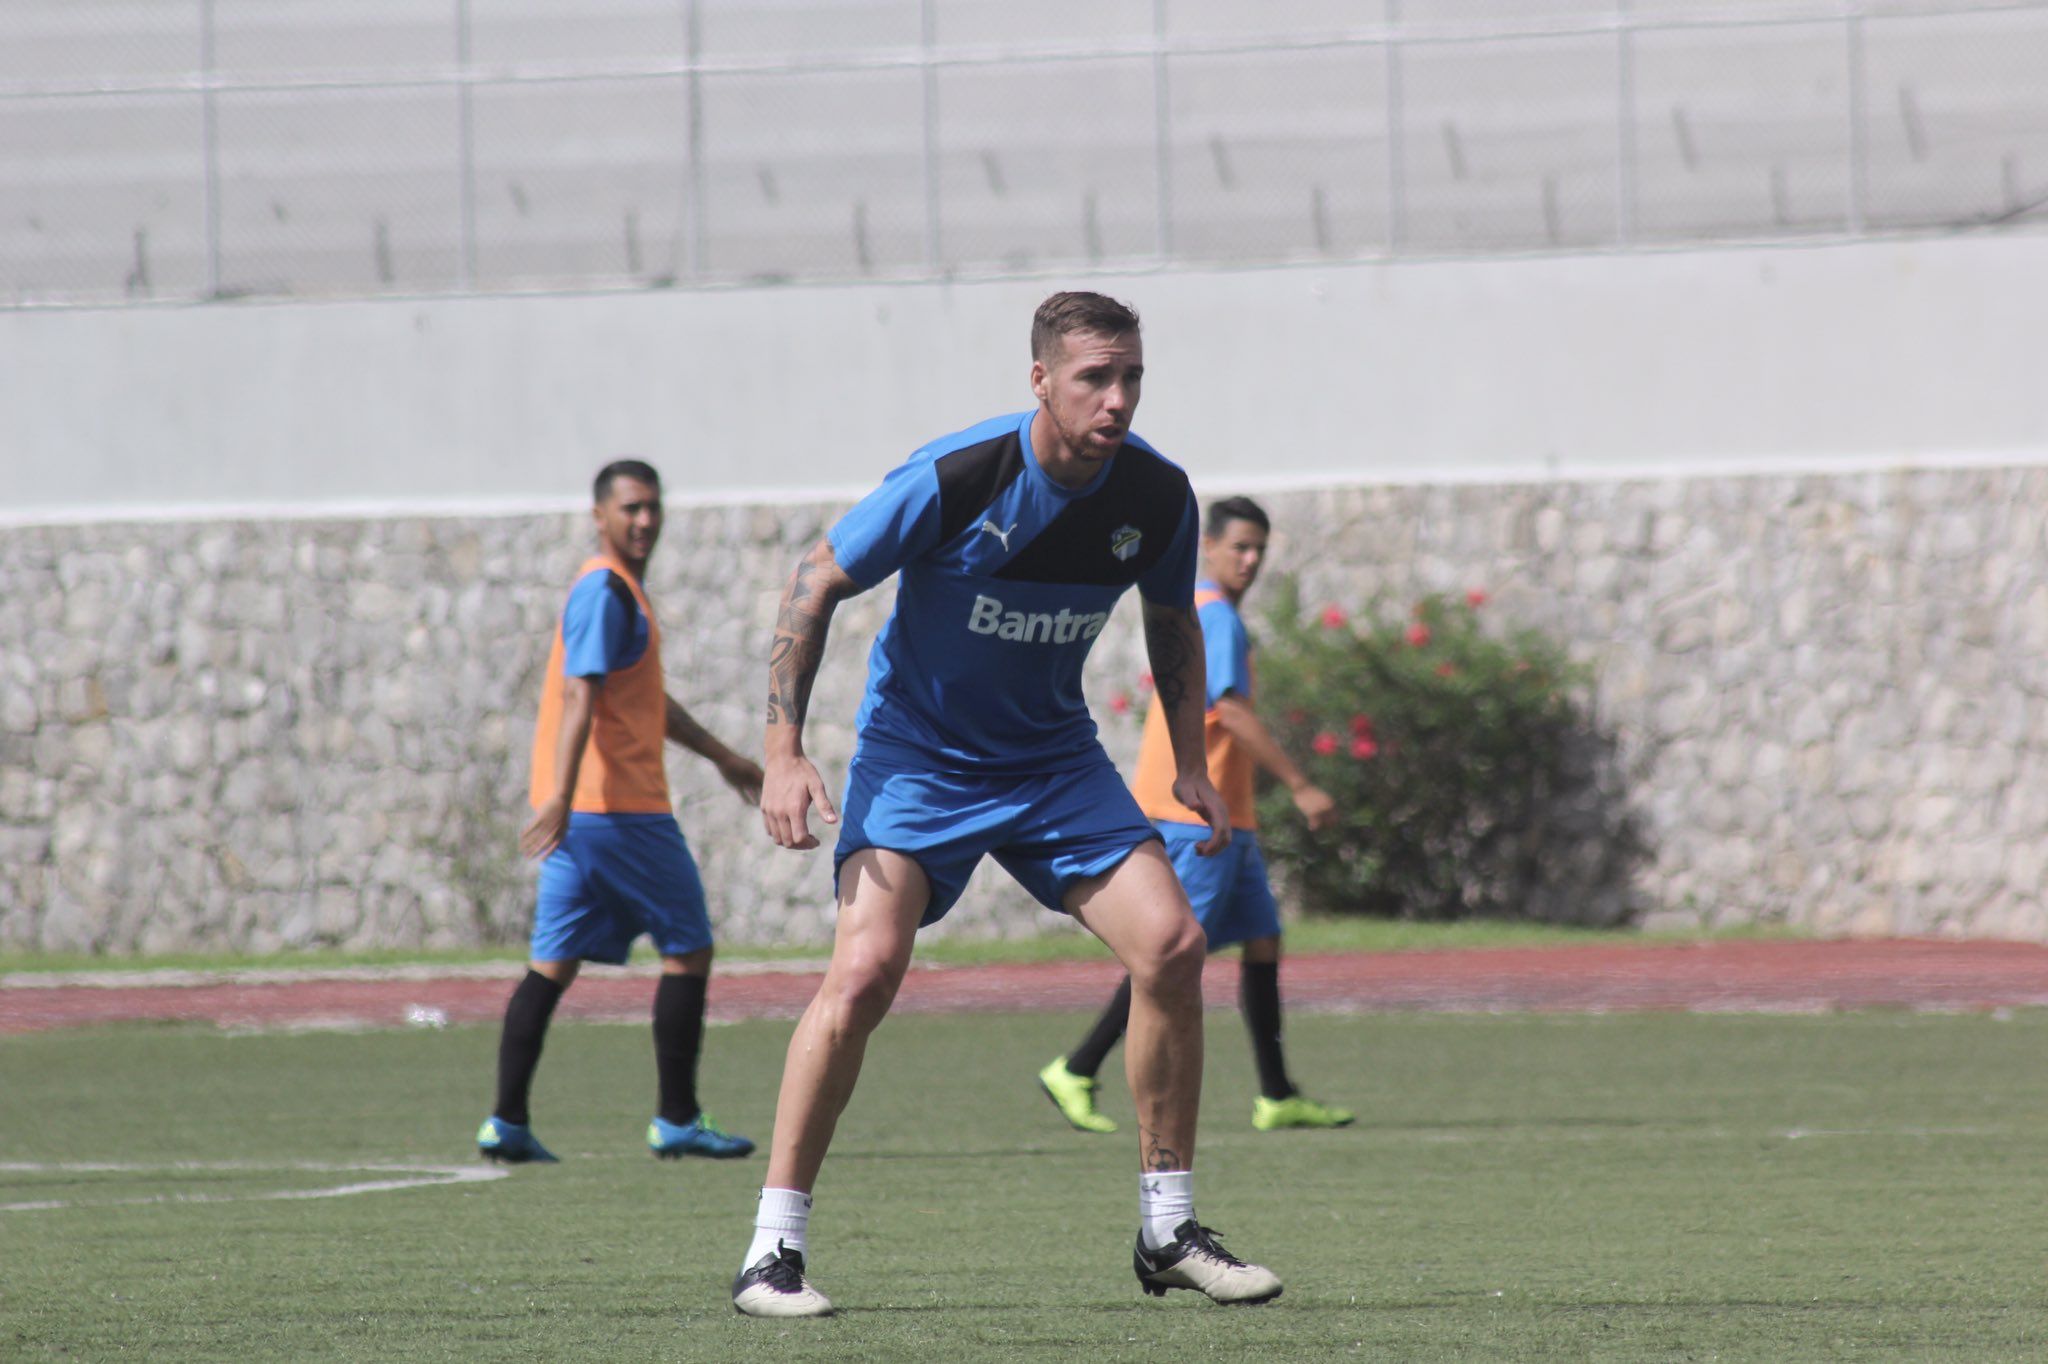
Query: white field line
[403,1177]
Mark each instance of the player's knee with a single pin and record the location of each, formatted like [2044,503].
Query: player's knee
[1173,965]
[861,990]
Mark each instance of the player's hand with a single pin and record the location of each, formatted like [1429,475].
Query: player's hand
[789,789]
[1316,806]
[744,776]
[1199,794]
[543,833]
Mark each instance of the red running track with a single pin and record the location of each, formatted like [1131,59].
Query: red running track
[1735,977]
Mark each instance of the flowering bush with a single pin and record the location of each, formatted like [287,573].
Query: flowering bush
[1461,759]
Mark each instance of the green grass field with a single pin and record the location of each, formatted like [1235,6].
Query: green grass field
[1325,934]
[1609,1188]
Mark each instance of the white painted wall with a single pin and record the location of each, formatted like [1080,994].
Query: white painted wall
[1925,351]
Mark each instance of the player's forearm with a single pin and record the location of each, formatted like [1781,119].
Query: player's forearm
[579,703]
[1243,724]
[683,729]
[815,589]
[1173,645]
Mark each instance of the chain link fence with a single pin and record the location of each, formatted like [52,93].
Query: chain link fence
[194,149]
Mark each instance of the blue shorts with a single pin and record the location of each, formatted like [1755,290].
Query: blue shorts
[1232,897]
[613,878]
[1049,830]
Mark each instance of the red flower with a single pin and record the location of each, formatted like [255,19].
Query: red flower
[1361,726]
[1324,743]
[1446,669]
[1334,618]
[1364,746]
[1121,703]
[1144,681]
[1297,716]
[1418,634]
[1477,598]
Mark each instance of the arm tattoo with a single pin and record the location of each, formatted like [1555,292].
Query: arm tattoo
[814,590]
[1167,632]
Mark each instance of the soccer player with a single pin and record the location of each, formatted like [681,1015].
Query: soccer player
[616,865]
[1013,540]
[1232,898]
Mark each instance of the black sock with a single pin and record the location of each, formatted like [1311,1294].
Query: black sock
[526,1027]
[1087,1058]
[1258,993]
[678,1037]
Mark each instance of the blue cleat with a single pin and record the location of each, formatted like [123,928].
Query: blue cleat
[704,1137]
[511,1142]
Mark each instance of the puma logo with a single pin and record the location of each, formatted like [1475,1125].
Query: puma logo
[1004,535]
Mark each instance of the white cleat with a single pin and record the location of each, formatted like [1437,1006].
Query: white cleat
[1197,1260]
[774,1286]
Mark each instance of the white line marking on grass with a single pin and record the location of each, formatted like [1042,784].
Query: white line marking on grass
[400,1177]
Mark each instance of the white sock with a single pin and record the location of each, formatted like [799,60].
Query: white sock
[783,1216]
[1165,1200]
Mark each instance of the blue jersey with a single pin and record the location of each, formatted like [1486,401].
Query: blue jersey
[1007,579]
[602,628]
[1228,647]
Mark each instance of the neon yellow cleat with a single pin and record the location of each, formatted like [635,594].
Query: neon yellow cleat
[1270,1115]
[1074,1096]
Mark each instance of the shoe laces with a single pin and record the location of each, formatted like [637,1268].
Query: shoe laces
[785,1272]
[707,1123]
[1203,1241]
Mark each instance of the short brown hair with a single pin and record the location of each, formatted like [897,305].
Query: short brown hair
[1077,311]
[601,486]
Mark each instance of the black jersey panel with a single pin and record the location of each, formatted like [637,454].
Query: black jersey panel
[972,478]
[1111,537]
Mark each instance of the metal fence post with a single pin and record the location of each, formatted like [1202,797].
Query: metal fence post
[1397,168]
[1859,160]
[1624,126]
[465,105]
[1162,137]
[209,153]
[928,32]
[693,168]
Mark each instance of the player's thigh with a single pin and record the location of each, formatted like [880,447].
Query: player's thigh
[1232,898]
[649,882]
[1070,831]
[946,822]
[882,895]
[570,921]
[1138,909]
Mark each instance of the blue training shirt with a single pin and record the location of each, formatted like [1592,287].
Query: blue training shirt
[1006,580]
[602,628]
[1228,647]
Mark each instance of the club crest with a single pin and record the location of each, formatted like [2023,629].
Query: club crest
[1123,541]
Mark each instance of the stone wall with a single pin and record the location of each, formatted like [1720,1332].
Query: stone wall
[1825,691]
